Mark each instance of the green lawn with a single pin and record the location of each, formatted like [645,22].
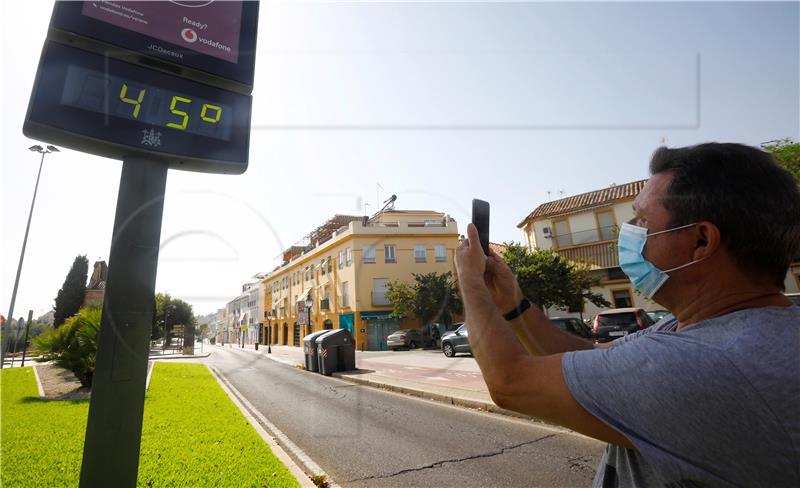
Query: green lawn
[192,435]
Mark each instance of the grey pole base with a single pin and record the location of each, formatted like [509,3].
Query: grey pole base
[114,427]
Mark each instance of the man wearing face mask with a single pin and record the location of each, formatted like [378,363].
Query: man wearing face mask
[708,397]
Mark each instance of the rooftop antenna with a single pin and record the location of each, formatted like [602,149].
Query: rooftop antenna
[548,195]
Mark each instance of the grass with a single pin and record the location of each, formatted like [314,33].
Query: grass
[192,435]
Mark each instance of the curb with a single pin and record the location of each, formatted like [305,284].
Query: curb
[274,438]
[38,382]
[448,399]
[155,358]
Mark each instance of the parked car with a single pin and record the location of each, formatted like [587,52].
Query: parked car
[456,341]
[618,322]
[657,315]
[437,330]
[574,326]
[794,297]
[407,339]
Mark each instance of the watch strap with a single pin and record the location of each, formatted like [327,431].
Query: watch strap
[525,304]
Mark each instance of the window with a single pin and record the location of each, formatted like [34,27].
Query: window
[341,260]
[379,288]
[369,254]
[345,294]
[389,253]
[322,266]
[330,264]
[622,298]
[440,253]
[606,225]
[349,253]
[563,236]
[419,253]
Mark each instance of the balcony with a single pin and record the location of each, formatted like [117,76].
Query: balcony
[379,299]
[562,241]
[597,256]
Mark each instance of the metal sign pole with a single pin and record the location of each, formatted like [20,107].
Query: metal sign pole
[25,342]
[114,427]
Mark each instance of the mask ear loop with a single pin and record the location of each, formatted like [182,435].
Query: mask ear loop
[685,265]
[672,230]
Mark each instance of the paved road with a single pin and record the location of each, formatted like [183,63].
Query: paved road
[366,437]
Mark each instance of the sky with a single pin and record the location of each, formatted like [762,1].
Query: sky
[516,103]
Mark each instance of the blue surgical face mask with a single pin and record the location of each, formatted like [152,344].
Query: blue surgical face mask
[643,274]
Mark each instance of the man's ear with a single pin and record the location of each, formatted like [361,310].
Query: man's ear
[708,240]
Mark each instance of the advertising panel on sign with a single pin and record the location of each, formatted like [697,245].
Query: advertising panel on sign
[210,41]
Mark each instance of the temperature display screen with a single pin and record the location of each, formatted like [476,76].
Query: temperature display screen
[119,97]
[100,105]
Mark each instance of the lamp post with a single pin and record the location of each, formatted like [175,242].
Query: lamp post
[269,332]
[43,152]
[309,303]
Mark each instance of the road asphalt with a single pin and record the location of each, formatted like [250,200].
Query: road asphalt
[425,373]
[359,436]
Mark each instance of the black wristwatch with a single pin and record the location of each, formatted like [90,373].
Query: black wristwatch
[525,304]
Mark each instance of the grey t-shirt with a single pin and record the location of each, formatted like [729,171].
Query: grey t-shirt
[714,404]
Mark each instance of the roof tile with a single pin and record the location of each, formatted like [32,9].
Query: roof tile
[586,200]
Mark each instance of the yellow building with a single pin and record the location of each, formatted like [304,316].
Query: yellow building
[345,270]
[583,228]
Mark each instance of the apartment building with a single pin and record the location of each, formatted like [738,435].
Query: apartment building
[243,315]
[344,269]
[584,228]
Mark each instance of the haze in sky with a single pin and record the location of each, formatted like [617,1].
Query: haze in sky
[515,103]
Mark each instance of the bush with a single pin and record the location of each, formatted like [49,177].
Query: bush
[73,346]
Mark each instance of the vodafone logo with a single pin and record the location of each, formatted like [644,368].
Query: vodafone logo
[189,35]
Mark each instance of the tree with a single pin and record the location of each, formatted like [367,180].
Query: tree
[401,296]
[73,346]
[549,280]
[177,311]
[787,153]
[70,297]
[433,297]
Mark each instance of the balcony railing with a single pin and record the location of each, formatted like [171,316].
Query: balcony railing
[608,233]
[600,255]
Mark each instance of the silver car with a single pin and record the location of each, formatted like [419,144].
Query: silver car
[407,339]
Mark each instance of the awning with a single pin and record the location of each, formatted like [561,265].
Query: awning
[377,315]
[302,297]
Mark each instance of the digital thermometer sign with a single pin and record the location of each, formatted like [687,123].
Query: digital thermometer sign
[103,106]
[119,97]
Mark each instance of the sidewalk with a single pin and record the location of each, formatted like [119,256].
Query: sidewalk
[422,373]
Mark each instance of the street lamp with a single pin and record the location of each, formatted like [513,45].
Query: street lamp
[309,303]
[43,152]
[269,332]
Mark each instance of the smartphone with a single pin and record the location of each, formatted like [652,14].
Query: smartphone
[480,217]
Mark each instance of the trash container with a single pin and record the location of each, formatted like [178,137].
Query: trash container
[310,350]
[337,351]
